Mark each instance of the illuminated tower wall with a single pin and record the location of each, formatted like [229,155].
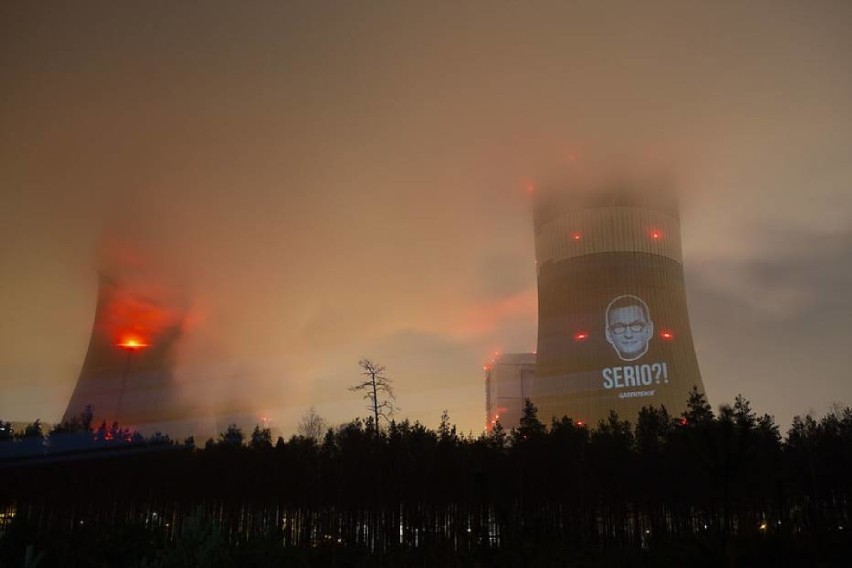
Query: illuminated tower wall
[613,331]
[144,375]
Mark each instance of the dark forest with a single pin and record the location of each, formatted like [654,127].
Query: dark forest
[702,488]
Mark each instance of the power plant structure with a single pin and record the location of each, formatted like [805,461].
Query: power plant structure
[508,383]
[127,376]
[613,328]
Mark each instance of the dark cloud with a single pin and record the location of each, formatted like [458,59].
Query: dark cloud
[781,336]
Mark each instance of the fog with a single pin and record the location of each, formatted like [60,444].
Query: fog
[323,182]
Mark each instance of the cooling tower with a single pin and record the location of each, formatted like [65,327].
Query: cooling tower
[613,331]
[127,375]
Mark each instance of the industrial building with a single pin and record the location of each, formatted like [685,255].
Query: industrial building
[128,373]
[508,383]
[613,328]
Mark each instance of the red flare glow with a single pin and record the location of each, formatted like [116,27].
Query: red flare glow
[576,236]
[656,234]
[581,336]
[667,335]
[132,344]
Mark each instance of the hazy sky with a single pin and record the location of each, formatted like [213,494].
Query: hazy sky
[327,181]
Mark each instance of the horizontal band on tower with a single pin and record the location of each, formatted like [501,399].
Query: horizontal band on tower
[587,231]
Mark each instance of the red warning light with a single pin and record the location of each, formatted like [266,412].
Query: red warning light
[667,335]
[581,336]
[655,234]
[576,236]
[133,344]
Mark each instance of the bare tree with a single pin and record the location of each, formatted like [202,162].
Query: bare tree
[377,391]
[312,425]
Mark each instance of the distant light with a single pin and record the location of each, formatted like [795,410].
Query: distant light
[667,335]
[656,234]
[576,236]
[581,336]
[580,423]
[133,344]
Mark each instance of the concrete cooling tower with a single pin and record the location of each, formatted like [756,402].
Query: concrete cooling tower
[127,376]
[613,328]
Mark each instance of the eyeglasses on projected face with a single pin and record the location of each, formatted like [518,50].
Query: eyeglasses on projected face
[635,327]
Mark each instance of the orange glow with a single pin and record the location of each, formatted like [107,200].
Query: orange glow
[528,185]
[667,335]
[135,313]
[581,336]
[133,344]
[576,236]
[656,234]
[488,316]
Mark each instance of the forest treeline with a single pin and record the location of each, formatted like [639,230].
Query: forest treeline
[710,486]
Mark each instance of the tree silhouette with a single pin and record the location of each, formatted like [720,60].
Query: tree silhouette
[698,410]
[378,392]
[529,427]
[312,425]
[33,430]
[723,488]
[232,437]
[261,438]
[497,437]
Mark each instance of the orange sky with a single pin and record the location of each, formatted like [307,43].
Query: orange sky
[324,182]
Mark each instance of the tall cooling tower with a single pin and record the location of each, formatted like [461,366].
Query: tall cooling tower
[613,331]
[127,374]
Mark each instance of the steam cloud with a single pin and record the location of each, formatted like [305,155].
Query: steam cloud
[319,185]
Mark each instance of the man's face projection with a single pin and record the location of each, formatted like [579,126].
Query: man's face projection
[629,330]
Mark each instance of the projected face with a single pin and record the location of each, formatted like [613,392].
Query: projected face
[629,327]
